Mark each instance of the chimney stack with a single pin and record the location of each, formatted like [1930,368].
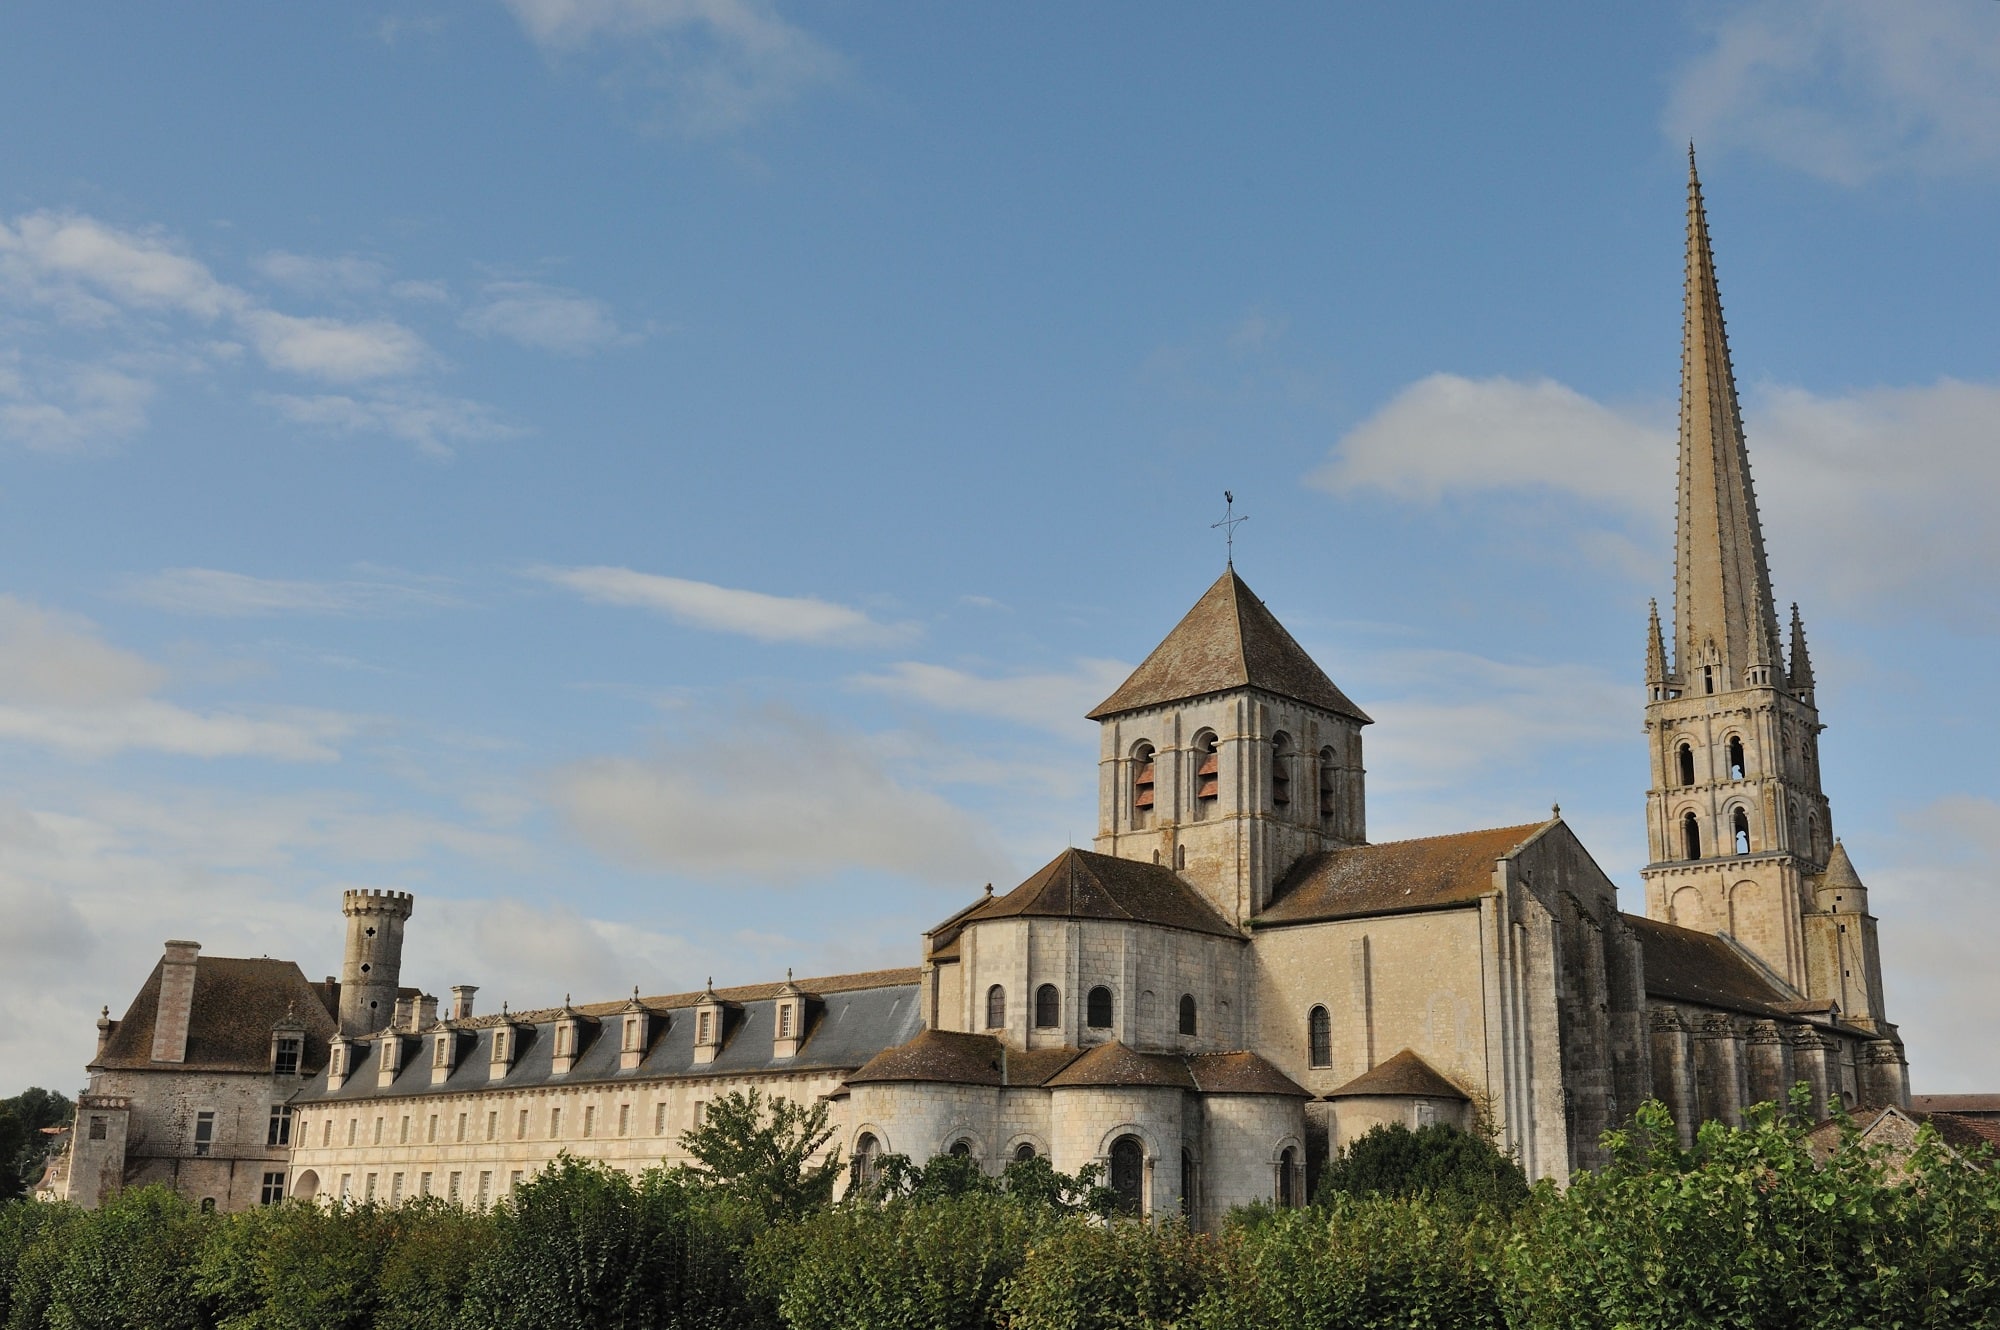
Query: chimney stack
[170,1022]
[427,1013]
[461,1001]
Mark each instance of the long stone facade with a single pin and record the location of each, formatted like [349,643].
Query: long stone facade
[1229,987]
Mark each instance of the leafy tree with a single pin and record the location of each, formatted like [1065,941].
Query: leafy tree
[1032,1181]
[1438,1160]
[761,1152]
[24,1149]
[30,1245]
[129,1265]
[1122,1275]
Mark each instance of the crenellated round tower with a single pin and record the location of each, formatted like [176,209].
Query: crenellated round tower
[372,968]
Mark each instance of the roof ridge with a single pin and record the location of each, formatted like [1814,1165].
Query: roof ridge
[1451,835]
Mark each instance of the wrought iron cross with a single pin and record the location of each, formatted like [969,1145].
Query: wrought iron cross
[1230,521]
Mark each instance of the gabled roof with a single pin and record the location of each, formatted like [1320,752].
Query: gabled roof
[1426,874]
[1229,640]
[236,1003]
[1685,965]
[1081,884]
[1404,1074]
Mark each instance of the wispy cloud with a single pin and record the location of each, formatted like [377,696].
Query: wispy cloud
[709,67]
[428,420]
[1876,496]
[755,614]
[775,798]
[1054,702]
[63,687]
[546,318]
[1849,90]
[317,275]
[64,407]
[216,593]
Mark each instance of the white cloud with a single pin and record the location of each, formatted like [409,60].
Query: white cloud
[778,798]
[753,614]
[546,318]
[430,421]
[1875,497]
[70,407]
[62,687]
[1054,702]
[220,594]
[335,349]
[319,276]
[1849,89]
[719,65]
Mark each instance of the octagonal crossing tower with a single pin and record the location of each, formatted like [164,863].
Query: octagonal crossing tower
[1739,828]
[371,970]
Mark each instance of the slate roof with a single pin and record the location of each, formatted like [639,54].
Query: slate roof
[949,1057]
[236,1002]
[1081,884]
[849,1019]
[1685,965]
[1229,640]
[1404,1074]
[1427,874]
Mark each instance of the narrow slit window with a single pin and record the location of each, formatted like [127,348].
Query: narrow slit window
[1326,784]
[1281,771]
[1690,836]
[1143,777]
[1207,774]
[1736,767]
[1685,758]
[1319,1038]
[1739,826]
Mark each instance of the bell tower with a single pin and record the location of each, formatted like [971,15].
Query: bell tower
[1228,754]
[1739,828]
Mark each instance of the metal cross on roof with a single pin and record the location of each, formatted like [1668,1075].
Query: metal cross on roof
[1229,523]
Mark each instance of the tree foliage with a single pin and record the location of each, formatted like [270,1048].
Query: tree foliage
[1437,1160]
[764,1153]
[24,1148]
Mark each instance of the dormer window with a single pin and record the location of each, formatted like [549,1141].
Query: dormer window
[785,1021]
[1281,770]
[441,1051]
[1143,767]
[1207,774]
[704,1028]
[285,1054]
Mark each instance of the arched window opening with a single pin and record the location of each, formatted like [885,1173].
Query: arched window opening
[1180,858]
[1736,767]
[1097,1008]
[996,1007]
[1326,778]
[1187,1014]
[1024,1152]
[867,1158]
[1281,771]
[1690,836]
[1288,1189]
[1812,834]
[1142,785]
[1128,1173]
[962,1148]
[1048,1007]
[1686,759]
[1207,774]
[1319,1038]
[1708,678]
[1187,1183]
[1739,826]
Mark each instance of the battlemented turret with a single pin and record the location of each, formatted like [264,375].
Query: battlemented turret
[372,967]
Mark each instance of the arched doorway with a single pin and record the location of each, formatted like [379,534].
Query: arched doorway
[305,1186]
[1128,1173]
[1288,1187]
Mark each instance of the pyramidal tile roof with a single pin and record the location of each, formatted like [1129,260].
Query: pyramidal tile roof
[1404,1074]
[1229,640]
[1082,884]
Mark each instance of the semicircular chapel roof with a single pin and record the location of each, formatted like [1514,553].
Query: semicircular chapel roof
[1229,640]
[1082,884]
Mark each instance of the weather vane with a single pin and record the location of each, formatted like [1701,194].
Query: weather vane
[1230,521]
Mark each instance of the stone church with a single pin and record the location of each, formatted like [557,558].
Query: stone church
[1230,985]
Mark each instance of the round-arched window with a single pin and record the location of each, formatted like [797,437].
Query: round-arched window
[1685,758]
[996,1007]
[1097,1008]
[962,1148]
[1128,1173]
[1690,836]
[1288,1188]
[1739,826]
[1319,1038]
[1048,1007]
[1024,1152]
[867,1157]
[1187,1014]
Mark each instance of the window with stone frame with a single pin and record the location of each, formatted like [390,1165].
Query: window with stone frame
[279,1130]
[1207,773]
[273,1189]
[996,1007]
[1048,1007]
[204,1133]
[1281,771]
[1328,790]
[1319,1038]
[1690,835]
[1144,767]
[1187,1014]
[1097,1011]
[285,1055]
[1684,764]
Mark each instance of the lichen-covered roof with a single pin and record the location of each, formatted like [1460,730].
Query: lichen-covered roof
[236,1003]
[1404,1074]
[1241,1073]
[1956,1103]
[1229,640]
[1840,874]
[1117,1064]
[1426,874]
[1081,884]
[846,1026]
[1685,965]
[954,1057]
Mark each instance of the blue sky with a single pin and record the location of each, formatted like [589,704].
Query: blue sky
[664,480]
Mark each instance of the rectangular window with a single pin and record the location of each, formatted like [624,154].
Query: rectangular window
[395,1189]
[702,1027]
[493,1126]
[431,1128]
[485,1187]
[589,1122]
[280,1130]
[785,1021]
[521,1127]
[451,1187]
[99,1128]
[700,1111]
[273,1189]
[624,1119]
[352,1124]
[285,1060]
[660,1118]
[555,1124]
[461,1127]
[204,1132]
[378,1131]
[403,1132]
[368,1187]
[514,1182]
[424,1184]
[326,1134]
[346,1186]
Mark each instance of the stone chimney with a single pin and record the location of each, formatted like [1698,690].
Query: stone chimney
[105,1027]
[405,1011]
[427,1013]
[170,1023]
[461,1001]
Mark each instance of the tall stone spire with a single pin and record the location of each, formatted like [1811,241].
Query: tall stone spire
[1802,675]
[1656,648]
[1722,587]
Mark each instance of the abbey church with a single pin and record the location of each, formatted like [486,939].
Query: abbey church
[1227,988]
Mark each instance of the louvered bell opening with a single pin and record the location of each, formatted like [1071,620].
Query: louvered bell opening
[1281,785]
[1142,787]
[1207,781]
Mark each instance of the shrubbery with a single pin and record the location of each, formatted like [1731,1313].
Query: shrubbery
[1414,1231]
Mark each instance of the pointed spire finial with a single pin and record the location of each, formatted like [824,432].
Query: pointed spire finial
[1801,677]
[1656,646]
